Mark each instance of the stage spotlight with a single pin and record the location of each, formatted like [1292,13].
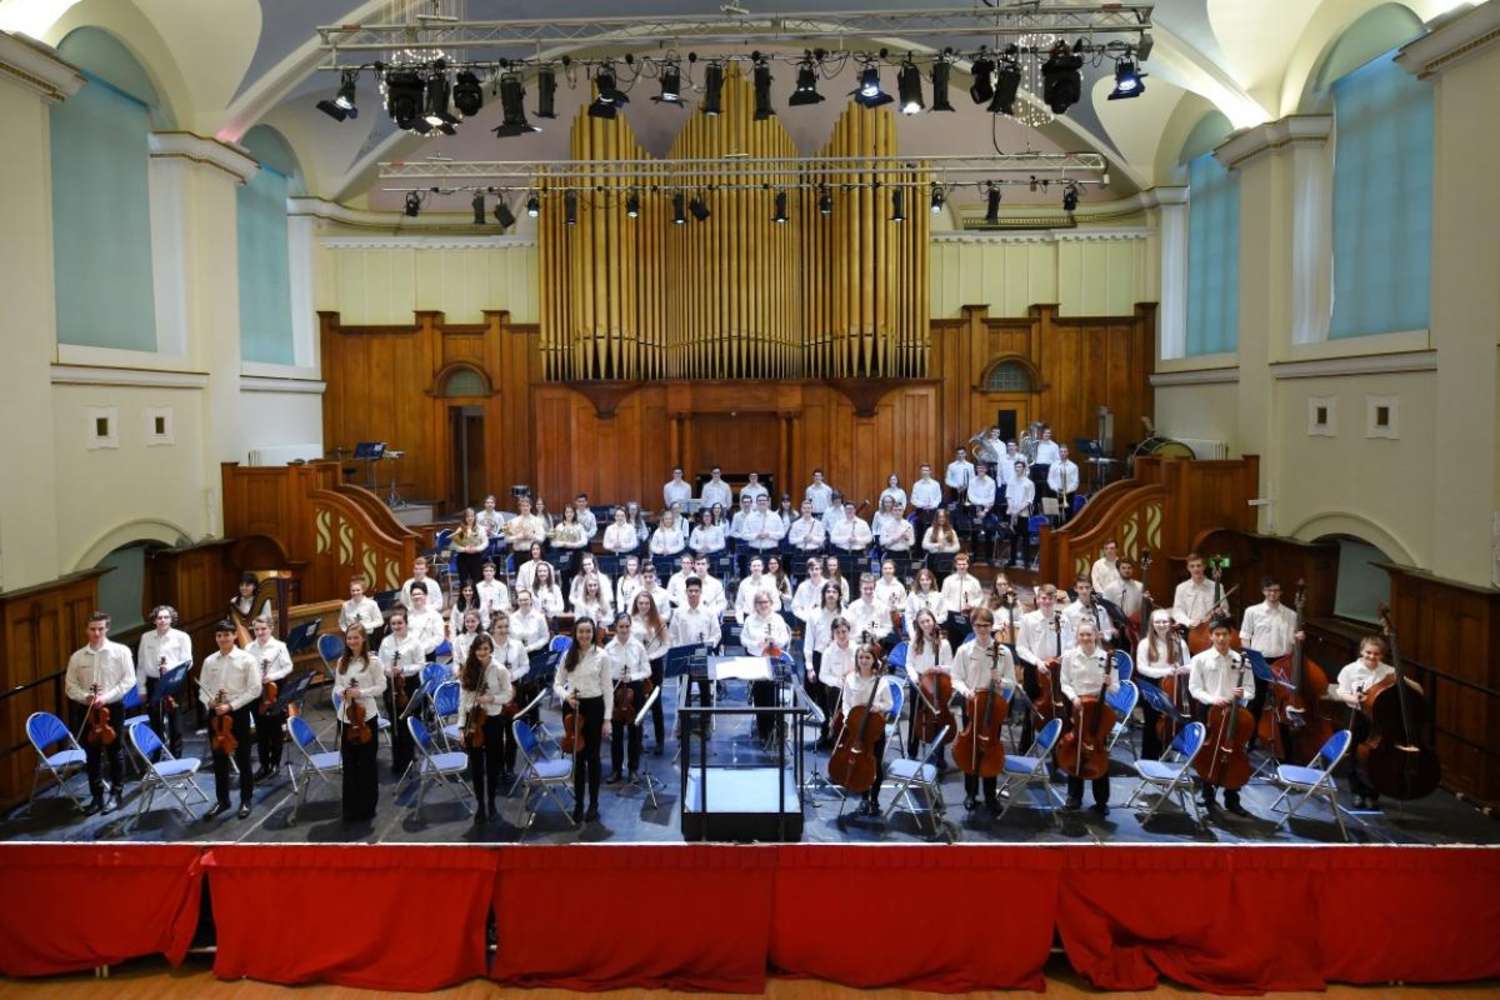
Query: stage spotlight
[679,213]
[780,216]
[807,85]
[699,208]
[825,202]
[1007,83]
[1070,198]
[936,201]
[609,99]
[546,93]
[992,206]
[980,88]
[1128,80]
[713,86]
[763,106]
[570,207]
[940,73]
[478,206]
[1061,81]
[436,113]
[403,98]
[533,205]
[504,215]
[898,208]
[632,205]
[468,95]
[869,93]
[909,86]
[671,85]
[342,105]
[413,204]
[513,106]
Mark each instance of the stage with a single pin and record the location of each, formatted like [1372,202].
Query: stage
[1236,906]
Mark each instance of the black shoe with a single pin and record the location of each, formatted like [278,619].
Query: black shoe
[218,807]
[1073,805]
[993,805]
[970,803]
[578,814]
[592,815]
[492,814]
[1237,809]
[96,804]
[244,812]
[1101,808]
[479,814]
[614,779]
[262,774]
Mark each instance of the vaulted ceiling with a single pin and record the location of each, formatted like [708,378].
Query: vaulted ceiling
[228,65]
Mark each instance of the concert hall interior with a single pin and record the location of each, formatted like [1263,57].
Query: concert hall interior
[1033,462]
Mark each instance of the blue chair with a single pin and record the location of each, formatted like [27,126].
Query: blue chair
[444,651]
[918,774]
[1314,780]
[1172,775]
[318,762]
[445,713]
[440,543]
[1124,665]
[435,767]
[540,776]
[893,740]
[1032,768]
[166,772]
[46,730]
[435,674]
[1123,702]
[897,658]
[1034,526]
[330,648]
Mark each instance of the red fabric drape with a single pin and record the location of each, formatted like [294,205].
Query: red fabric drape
[70,907]
[1222,920]
[676,917]
[1409,914]
[950,920]
[391,918]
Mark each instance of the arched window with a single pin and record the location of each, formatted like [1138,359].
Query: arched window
[465,382]
[1008,376]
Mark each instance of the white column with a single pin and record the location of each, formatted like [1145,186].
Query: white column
[1171,312]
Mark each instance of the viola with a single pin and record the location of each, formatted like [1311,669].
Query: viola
[1083,750]
[854,763]
[222,729]
[268,695]
[1395,759]
[1301,685]
[1225,760]
[356,730]
[978,749]
[100,732]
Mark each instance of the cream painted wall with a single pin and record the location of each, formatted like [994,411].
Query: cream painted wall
[375,281]
[1199,411]
[1085,276]
[279,418]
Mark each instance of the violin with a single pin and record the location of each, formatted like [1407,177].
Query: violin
[356,730]
[978,749]
[572,737]
[1227,761]
[1300,687]
[473,738]
[624,701]
[268,695]
[221,728]
[1395,759]
[854,764]
[96,721]
[1083,751]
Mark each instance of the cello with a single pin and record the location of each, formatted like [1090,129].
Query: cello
[1395,759]
[1083,751]
[978,749]
[1226,764]
[853,764]
[1174,685]
[934,698]
[1300,687]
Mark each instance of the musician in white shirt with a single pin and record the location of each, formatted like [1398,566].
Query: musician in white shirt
[940,538]
[865,687]
[1105,572]
[668,539]
[806,533]
[228,682]
[982,663]
[925,595]
[494,596]
[1086,672]
[358,679]
[1196,598]
[1087,609]
[980,492]
[275,663]
[753,488]
[583,686]
[756,582]
[484,684]
[359,608]
[1126,592]
[1044,634]
[490,519]
[716,490]
[990,447]
[1218,676]
[869,619]
[833,664]
[659,596]
[958,473]
[403,658]
[161,650]
[742,517]
[1160,654]
[926,495]
[419,575]
[962,593]
[511,655]
[100,674]
[896,533]
[890,592]
[1269,628]
[1062,480]
[894,493]
[851,533]
[819,493]
[677,582]
[629,670]
[677,490]
[426,625]
[590,602]
[528,624]
[585,515]
[763,528]
[526,572]
[1005,469]
[620,537]
[1047,450]
[708,534]
[929,652]
[1020,496]
[525,527]
[713,598]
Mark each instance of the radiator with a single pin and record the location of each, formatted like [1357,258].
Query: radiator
[1205,449]
[281,454]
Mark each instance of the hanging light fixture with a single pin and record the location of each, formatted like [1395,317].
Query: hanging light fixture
[909,86]
[807,84]
[478,205]
[713,87]
[632,205]
[763,107]
[679,211]
[513,107]
[504,215]
[1128,80]
[342,105]
[546,93]
[570,207]
[941,70]
[780,217]
[699,207]
[825,202]
[898,210]
[468,95]
[403,98]
[671,85]
[533,205]
[868,93]
[980,88]
[936,201]
[1062,81]
[435,111]
[1007,83]
[992,205]
[413,204]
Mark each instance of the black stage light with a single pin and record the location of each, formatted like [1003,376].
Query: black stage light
[941,70]
[936,201]
[780,216]
[679,213]
[825,202]
[1007,83]
[513,107]
[980,88]
[533,205]
[763,107]
[413,204]
[1128,80]
[570,207]
[546,93]
[1062,84]
[713,86]
[869,93]
[671,85]
[807,86]
[898,209]
[632,205]
[909,86]
[699,208]
[478,205]
[403,98]
[992,206]
[468,95]
[504,215]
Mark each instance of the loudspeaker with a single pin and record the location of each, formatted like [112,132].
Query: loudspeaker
[1006,421]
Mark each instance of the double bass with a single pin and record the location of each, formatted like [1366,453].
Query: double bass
[1224,760]
[1299,690]
[1395,759]
[853,764]
[978,750]
[1083,751]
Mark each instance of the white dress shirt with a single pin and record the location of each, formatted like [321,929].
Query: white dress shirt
[627,660]
[1047,453]
[434,594]
[744,595]
[1103,575]
[890,593]
[818,632]
[928,660]
[493,596]
[461,644]
[1077,613]
[274,660]
[403,654]
[1125,595]
[589,521]
[759,633]
[496,683]
[692,626]
[653,642]
[529,628]
[806,533]
[958,474]
[668,540]
[716,491]
[512,656]
[1192,603]
[931,544]
[975,668]
[919,601]
[713,599]
[870,617]
[858,691]
[365,611]
[1270,631]
[606,589]
[961,594]
[836,664]
[1062,477]
[589,678]
[763,530]
[1020,494]
[819,494]
[707,538]
[1037,639]
[926,494]
[1355,679]
[595,611]
[428,628]
[235,673]
[753,490]
[897,534]
[157,653]
[523,529]
[110,667]
[981,491]
[851,534]
[526,574]
[676,491]
[895,494]
[367,673]
[1160,667]
[1085,675]
[1212,677]
[621,537]
[549,600]
[629,586]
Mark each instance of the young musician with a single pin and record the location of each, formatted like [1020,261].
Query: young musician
[1218,676]
[1062,481]
[1043,636]
[962,593]
[650,585]
[895,533]
[1020,495]
[834,574]
[1086,672]
[424,623]
[1355,681]
[590,602]
[677,490]
[925,596]
[360,679]
[620,536]
[1001,600]
[1194,601]
[1005,470]
[870,620]
[741,519]
[1105,572]
[546,592]
[833,663]
[569,540]
[764,633]
[510,654]
[275,663]
[817,634]
[928,653]
[359,608]
[489,518]
[890,592]
[419,575]
[806,533]
[528,624]
[756,583]
[1269,628]
[1048,453]
[402,656]
[583,684]
[980,663]
[940,536]
[669,538]
[467,600]
[159,651]
[980,494]
[463,640]
[589,566]
[98,676]
[764,529]
[926,495]
[708,533]
[1087,609]
[494,596]
[630,584]
[716,491]
[228,683]
[540,510]
[989,447]
[484,683]
[1126,592]
[242,609]
[818,493]
[1161,654]
[714,600]
[695,623]
[648,628]
[526,571]
[525,527]
[865,686]
[956,477]
[470,541]
[753,488]
[851,533]
[894,493]
[628,667]
[585,515]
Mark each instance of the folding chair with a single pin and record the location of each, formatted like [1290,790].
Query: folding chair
[330,648]
[918,774]
[1032,768]
[132,710]
[1123,702]
[539,775]
[893,740]
[318,762]
[44,729]
[168,772]
[1313,781]
[434,767]
[1124,665]
[1172,775]
[445,714]
[896,659]
[540,734]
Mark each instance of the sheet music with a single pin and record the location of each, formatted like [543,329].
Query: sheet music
[742,668]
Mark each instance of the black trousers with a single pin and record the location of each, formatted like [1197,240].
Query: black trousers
[470,565]
[620,734]
[361,780]
[586,765]
[1075,785]
[1359,784]
[1031,683]
[1151,744]
[658,717]
[403,749]
[163,724]
[484,762]
[95,756]
[873,795]
[270,734]
[1020,541]
[763,695]
[956,626]
[241,719]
